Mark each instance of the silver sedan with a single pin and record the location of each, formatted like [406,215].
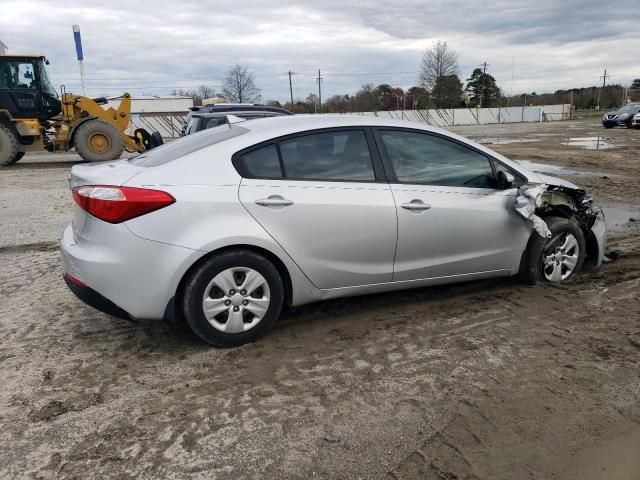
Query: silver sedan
[225,227]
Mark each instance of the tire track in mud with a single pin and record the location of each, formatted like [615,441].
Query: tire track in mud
[462,448]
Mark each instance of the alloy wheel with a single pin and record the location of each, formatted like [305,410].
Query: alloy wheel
[560,257]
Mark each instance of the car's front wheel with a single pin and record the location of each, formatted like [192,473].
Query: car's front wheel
[233,298]
[558,258]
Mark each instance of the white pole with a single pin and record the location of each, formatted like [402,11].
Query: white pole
[84,88]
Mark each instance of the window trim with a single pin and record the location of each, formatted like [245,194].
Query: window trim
[391,173]
[376,160]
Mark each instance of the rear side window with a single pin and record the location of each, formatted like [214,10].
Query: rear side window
[339,155]
[262,163]
[186,145]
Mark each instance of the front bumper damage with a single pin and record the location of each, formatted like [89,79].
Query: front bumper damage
[536,201]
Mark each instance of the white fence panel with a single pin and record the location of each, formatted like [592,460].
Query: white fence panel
[446,117]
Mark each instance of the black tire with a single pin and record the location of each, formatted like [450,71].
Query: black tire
[8,146]
[196,285]
[608,127]
[533,271]
[156,140]
[108,142]
[18,157]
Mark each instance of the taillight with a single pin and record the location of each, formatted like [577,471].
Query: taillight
[119,204]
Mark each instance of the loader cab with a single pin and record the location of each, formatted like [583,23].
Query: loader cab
[25,89]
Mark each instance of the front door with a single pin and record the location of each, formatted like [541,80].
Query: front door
[452,219]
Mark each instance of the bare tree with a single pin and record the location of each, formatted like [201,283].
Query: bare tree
[438,60]
[239,85]
[198,94]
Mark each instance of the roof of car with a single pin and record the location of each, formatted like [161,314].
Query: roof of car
[239,107]
[282,125]
[234,112]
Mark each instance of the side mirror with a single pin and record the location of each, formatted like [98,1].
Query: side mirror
[505,180]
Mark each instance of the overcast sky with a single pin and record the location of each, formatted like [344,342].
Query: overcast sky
[154,46]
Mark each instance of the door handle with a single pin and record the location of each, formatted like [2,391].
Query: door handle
[416,205]
[274,201]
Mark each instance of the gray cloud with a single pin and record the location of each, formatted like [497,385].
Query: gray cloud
[155,46]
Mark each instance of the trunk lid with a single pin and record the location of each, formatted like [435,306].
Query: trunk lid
[105,173]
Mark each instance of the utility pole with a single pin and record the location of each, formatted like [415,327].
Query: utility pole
[319,80]
[291,88]
[571,106]
[604,82]
[484,72]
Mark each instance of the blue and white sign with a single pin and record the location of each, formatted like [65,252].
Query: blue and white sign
[78,40]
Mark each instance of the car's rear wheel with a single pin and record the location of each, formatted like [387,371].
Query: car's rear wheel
[558,258]
[233,298]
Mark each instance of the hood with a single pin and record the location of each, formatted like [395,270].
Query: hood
[557,182]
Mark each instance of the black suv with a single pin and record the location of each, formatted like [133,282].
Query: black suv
[621,117]
[209,116]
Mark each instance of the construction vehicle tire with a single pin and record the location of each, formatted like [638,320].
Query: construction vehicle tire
[156,140]
[98,141]
[8,147]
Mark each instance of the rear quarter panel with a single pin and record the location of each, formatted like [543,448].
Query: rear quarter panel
[207,214]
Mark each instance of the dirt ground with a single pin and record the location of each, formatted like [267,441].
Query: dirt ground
[484,380]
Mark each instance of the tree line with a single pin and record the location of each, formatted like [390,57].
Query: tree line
[439,86]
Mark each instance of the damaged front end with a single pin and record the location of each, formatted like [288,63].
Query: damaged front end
[536,201]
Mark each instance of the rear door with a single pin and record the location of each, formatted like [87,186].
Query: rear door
[452,218]
[322,196]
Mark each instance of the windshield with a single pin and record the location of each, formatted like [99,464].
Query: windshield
[629,109]
[192,125]
[186,145]
[46,85]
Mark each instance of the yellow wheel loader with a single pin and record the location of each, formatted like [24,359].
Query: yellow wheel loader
[33,117]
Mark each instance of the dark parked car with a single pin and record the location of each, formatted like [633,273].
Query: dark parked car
[209,116]
[622,117]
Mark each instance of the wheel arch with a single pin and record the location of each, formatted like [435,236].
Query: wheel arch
[592,247]
[174,307]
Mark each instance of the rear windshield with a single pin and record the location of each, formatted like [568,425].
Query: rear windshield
[185,145]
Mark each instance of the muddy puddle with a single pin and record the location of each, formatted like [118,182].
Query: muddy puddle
[620,217]
[592,143]
[505,141]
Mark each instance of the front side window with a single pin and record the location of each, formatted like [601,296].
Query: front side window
[431,160]
[15,75]
[339,155]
